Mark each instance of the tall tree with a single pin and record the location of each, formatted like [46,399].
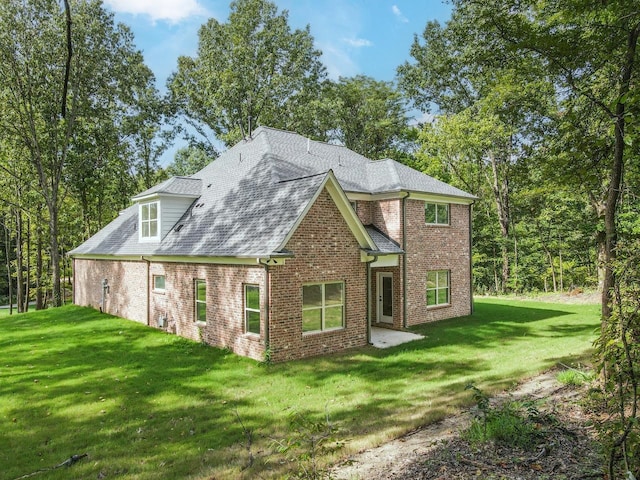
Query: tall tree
[188,161]
[366,115]
[590,51]
[249,71]
[490,103]
[64,73]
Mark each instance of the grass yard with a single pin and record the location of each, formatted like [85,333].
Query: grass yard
[146,405]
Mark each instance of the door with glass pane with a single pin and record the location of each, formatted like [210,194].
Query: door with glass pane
[385,297]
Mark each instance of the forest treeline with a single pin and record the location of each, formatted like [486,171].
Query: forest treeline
[531,106]
[535,114]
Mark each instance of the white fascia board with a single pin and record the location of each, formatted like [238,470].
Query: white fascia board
[386,261]
[160,195]
[344,206]
[429,197]
[182,259]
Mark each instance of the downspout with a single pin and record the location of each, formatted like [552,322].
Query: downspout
[369,297]
[73,292]
[404,260]
[267,295]
[471,257]
[148,288]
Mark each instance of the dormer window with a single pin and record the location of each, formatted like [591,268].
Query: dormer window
[150,221]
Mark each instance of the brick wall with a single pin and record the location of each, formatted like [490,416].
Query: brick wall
[437,248]
[127,280]
[325,250]
[386,215]
[130,283]
[363,210]
[225,305]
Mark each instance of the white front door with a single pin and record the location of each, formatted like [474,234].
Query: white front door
[385,297]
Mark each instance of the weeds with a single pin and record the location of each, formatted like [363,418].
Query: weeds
[574,377]
[512,423]
[309,441]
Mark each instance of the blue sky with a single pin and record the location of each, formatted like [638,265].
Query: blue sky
[370,37]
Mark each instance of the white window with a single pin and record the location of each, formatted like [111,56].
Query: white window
[438,288]
[200,291]
[158,283]
[252,308]
[322,306]
[436,213]
[149,221]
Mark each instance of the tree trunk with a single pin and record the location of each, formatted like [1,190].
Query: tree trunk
[39,267]
[55,252]
[27,282]
[615,177]
[19,272]
[500,189]
[7,248]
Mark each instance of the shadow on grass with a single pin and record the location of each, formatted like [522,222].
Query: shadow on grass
[145,404]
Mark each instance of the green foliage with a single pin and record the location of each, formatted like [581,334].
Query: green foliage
[73,148]
[618,357]
[250,71]
[309,440]
[188,161]
[575,377]
[511,423]
[367,116]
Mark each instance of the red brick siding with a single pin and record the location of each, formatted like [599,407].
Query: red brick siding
[325,250]
[386,215]
[129,284]
[225,305]
[363,210]
[127,280]
[437,248]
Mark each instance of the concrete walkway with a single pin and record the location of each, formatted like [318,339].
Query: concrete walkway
[385,338]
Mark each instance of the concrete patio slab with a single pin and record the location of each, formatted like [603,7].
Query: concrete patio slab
[385,338]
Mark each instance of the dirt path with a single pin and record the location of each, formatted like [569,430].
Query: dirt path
[406,456]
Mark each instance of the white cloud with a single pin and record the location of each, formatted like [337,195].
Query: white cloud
[358,42]
[169,10]
[337,61]
[396,11]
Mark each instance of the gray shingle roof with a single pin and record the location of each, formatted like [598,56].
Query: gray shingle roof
[250,198]
[384,243]
[184,186]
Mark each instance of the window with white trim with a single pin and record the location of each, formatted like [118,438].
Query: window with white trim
[436,213]
[438,288]
[158,283]
[322,306]
[200,297]
[149,220]
[252,309]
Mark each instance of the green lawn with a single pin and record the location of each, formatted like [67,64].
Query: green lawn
[144,404]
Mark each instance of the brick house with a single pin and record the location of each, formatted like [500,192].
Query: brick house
[284,246]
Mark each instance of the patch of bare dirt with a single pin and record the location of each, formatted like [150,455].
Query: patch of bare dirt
[565,446]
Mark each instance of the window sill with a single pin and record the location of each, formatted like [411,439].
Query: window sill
[436,307]
[200,323]
[159,292]
[444,225]
[319,332]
